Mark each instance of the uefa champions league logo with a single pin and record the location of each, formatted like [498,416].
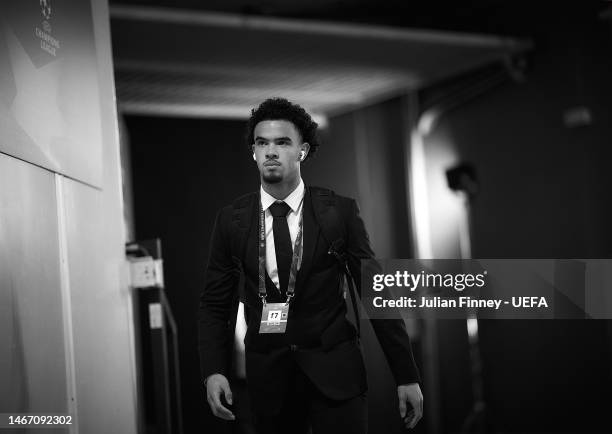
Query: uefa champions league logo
[45,8]
[47,42]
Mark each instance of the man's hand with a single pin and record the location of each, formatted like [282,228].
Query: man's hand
[216,385]
[410,393]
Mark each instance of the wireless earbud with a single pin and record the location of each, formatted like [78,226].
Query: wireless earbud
[302,154]
[254,157]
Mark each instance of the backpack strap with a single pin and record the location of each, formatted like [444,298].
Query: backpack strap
[333,229]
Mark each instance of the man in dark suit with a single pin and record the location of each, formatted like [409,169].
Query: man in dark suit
[303,360]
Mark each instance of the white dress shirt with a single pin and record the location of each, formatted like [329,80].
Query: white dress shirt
[295,200]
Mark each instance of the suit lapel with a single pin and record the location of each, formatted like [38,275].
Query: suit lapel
[311,237]
[326,215]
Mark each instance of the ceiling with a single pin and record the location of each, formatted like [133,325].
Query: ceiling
[518,18]
[216,64]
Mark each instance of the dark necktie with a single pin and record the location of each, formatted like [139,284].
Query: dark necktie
[282,242]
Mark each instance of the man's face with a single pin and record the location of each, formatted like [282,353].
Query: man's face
[277,147]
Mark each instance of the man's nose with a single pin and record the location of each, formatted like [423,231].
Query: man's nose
[271,151]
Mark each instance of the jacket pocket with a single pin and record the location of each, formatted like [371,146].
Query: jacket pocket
[338,331]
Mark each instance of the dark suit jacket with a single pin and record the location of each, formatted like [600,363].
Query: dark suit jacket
[318,338]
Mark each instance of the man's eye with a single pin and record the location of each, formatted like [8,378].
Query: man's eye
[283,142]
[260,143]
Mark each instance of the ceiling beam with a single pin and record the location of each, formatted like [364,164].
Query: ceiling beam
[221,19]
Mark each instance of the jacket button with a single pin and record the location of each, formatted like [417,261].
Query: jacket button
[294,347]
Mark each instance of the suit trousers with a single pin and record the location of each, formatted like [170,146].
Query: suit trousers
[307,411]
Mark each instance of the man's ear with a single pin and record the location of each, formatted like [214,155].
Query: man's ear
[304,151]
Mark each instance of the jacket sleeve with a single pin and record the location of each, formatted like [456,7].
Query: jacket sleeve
[222,275]
[391,333]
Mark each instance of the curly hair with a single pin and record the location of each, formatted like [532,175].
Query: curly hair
[282,109]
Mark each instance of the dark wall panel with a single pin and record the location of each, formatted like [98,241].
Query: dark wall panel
[544,194]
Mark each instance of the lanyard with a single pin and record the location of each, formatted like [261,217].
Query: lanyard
[262,257]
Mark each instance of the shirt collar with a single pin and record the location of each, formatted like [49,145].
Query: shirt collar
[293,200]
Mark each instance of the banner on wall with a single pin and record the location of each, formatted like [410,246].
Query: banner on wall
[49,87]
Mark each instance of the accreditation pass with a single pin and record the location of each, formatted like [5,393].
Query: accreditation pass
[274,318]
